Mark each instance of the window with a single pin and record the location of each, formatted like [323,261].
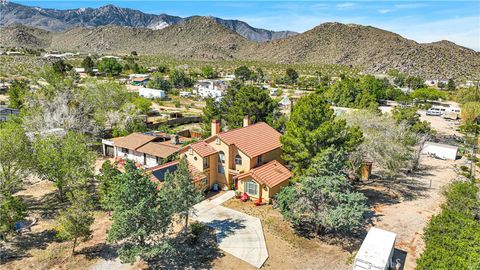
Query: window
[221,162]
[205,182]
[217,141]
[238,160]
[259,159]
[205,163]
[195,158]
[251,187]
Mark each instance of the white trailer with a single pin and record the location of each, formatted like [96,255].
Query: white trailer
[151,93]
[376,252]
[443,151]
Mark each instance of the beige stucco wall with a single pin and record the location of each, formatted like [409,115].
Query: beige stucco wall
[266,192]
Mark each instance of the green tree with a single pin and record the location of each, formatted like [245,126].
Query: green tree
[75,221]
[158,82]
[163,69]
[260,75]
[16,93]
[292,75]
[14,157]
[88,65]
[411,118]
[12,210]
[428,94]
[67,162]
[209,72]
[414,82]
[61,67]
[106,178]
[180,80]
[212,110]
[243,73]
[110,66]
[311,129]
[141,217]
[329,163]
[451,85]
[323,204]
[251,101]
[181,192]
[238,101]
[142,104]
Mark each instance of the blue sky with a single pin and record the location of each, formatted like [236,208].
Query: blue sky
[423,21]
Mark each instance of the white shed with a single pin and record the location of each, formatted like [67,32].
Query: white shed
[376,252]
[443,151]
[151,93]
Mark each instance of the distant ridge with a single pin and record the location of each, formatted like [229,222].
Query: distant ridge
[62,20]
[367,48]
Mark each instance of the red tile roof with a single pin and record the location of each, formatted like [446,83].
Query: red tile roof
[253,140]
[202,148]
[271,174]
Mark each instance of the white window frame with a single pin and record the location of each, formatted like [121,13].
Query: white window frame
[251,184]
[238,160]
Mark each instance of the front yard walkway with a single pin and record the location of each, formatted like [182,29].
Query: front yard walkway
[239,234]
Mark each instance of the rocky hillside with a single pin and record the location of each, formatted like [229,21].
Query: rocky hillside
[63,20]
[367,48]
[198,38]
[371,49]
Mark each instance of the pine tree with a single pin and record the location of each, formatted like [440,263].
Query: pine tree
[141,217]
[311,129]
[88,65]
[75,221]
[106,184]
[181,192]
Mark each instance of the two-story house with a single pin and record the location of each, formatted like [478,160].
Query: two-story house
[247,159]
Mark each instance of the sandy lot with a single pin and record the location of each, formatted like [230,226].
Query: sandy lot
[443,126]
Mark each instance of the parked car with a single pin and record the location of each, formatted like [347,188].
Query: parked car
[434,112]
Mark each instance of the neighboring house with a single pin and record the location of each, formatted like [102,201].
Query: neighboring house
[210,89]
[139,81]
[133,76]
[6,113]
[151,93]
[185,94]
[147,149]
[247,158]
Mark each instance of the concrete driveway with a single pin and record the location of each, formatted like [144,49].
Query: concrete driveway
[239,234]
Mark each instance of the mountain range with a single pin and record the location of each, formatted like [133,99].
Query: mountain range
[56,20]
[368,48]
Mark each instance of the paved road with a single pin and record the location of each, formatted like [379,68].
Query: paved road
[237,233]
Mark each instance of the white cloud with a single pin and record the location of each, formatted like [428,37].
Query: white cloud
[410,5]
[346,5]
[384,11]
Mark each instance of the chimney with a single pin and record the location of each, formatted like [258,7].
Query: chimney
[174,139]
[216,127]
[246,121]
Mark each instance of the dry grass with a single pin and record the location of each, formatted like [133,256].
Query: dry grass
[286,249]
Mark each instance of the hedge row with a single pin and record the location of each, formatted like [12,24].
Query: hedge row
[452,237]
